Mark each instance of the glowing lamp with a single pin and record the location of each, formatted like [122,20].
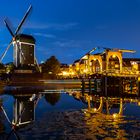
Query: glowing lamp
[95,109]
[114,56]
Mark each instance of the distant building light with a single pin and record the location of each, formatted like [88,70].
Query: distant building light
[85,70]
[65,73]
[133,62]
[72,73]
[50,72]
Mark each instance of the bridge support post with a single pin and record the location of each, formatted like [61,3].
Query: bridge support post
[105,85]
[83,86]
[90,86]
[138,86]
[88,99]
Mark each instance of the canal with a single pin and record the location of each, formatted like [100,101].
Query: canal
[42,113]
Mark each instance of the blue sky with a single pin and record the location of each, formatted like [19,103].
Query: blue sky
[70,28]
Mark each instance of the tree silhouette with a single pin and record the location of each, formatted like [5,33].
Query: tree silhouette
[52,98]
[51,66]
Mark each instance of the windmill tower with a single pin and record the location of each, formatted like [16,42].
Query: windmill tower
[23,46]
[24,50]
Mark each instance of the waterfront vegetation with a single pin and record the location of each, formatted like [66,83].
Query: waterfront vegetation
[51,67]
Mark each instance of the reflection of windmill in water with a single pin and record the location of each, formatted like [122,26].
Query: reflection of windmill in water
[23,46]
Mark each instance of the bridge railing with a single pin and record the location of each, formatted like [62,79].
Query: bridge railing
[119,73]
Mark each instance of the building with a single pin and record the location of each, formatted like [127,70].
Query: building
[131,65]
[24,50]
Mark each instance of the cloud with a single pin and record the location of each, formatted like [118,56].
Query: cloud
[68,43]
[45,35]
[84,44]
[39,25]
[66,26]
[65,50]
[53,26]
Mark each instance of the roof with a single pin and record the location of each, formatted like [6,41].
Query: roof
[131,59]
[26,38]
[76,61]
[98,53]
[127,61]
[64,66]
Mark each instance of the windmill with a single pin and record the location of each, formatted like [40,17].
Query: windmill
[23,45]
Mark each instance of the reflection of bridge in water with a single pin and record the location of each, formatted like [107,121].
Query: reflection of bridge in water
[105,105]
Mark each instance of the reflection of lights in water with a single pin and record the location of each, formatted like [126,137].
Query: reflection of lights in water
[94,109]
[115,115]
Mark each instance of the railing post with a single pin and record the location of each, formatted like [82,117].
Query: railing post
[106,85]
[83,86]
[138,85]
[89,85]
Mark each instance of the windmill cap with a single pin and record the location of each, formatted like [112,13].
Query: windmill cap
[25,38]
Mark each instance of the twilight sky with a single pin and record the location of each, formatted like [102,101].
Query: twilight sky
[70,28]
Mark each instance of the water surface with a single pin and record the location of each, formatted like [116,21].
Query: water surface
[40,115]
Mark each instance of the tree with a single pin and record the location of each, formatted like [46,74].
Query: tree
[10,67]
[2,66]
[51,66]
